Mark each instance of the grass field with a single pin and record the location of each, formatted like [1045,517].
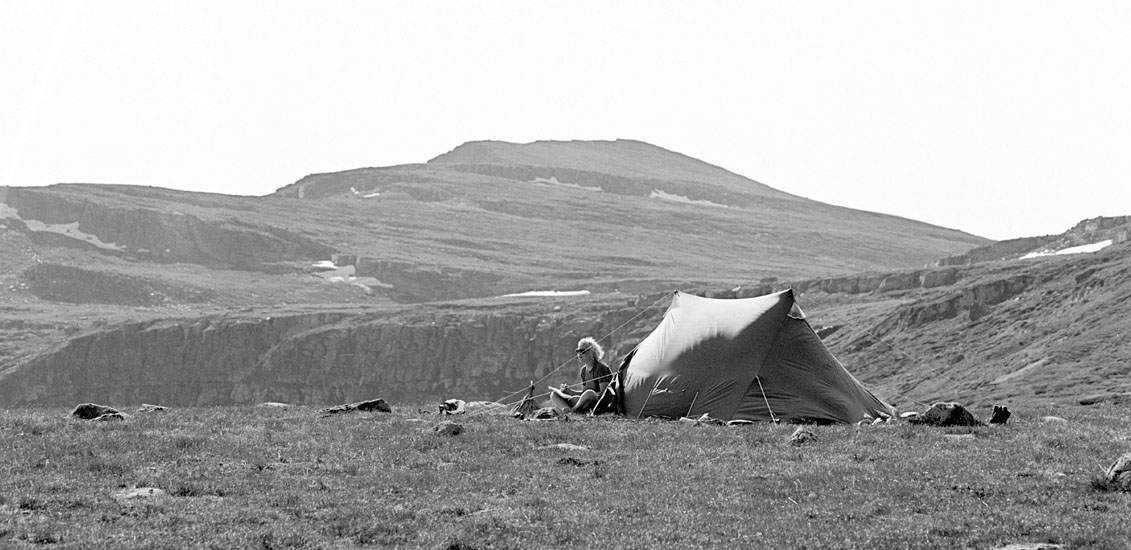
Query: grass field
[257,477]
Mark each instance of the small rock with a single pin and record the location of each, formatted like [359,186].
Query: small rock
[453,406]
[1053,420]
[91,411]
[371,405]
[801,436]
[147,408]
[448,428]
[1030,546]
[109,417]
[546,413]
[739,422]
[946,414]
[1119,470]
[274,405]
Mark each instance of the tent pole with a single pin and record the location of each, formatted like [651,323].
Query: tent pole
[773,418]
[692,403]
[647,398]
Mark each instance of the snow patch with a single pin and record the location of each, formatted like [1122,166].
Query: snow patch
[553,180]
[657,194]
[65,229]
[547,293]
[346,274]
[1082,249]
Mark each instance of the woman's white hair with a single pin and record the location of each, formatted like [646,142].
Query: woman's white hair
[589,343]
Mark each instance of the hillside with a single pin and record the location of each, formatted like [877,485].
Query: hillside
[389,280]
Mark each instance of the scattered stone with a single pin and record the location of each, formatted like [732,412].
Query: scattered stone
[801,436]
[453,406]
[448,428]
[1053,420]
[566,447]
[274,404]
[546,413]
[946,414]
[139,492]
[147,408]
[109,417]
[1030,546]
[739,422]
[91,411]
[1000,415]
[378,405]
[1120,470]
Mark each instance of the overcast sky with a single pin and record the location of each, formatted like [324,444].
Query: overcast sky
[1002,119]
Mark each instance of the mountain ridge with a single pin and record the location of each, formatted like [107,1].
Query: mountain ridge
[390,280]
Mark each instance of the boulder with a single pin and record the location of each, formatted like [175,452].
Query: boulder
[378,405]
[946,414]
[91,411]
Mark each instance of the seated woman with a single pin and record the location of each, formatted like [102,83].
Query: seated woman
[594,375]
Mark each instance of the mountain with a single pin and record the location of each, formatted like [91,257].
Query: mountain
[393,281]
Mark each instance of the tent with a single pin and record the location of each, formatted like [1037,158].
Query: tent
[739,359]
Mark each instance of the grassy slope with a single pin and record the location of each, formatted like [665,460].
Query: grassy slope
[1061,339]
[267,478]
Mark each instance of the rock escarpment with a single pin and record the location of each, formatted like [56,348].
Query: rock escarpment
[310,358]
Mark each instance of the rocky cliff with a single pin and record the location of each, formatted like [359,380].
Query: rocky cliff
[894,331]
[316,358]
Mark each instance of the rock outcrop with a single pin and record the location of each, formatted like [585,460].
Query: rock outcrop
[310,358]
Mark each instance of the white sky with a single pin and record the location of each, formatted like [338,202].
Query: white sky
[1003,119]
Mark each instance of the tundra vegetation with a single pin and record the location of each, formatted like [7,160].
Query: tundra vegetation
[260,477]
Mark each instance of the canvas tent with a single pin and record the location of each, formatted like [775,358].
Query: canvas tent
[748,359]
